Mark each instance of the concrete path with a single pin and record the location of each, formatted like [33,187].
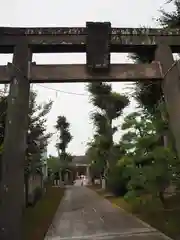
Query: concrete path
[83,214]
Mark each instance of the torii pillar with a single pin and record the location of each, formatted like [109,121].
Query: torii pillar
[171,89]
[12,174]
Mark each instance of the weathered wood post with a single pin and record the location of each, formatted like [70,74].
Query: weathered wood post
[12,182]
[171,89]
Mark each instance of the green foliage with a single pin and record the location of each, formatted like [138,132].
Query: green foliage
[155,165]
[152,145]
[53,164]
[147,163]
[109,106]
[97,155]
[63,128]
[148,166]
[147,93]
[172,19]
[117,179]
[37,137]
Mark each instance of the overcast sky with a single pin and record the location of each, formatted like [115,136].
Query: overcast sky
[69,13]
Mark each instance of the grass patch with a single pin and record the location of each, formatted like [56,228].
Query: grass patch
[165,220]
[37,219]
[151,211]
[118,201]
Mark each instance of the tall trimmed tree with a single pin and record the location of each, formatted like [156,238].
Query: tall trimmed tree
[63,128]
[109,106]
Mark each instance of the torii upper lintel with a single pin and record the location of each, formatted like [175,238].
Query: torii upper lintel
[74,39]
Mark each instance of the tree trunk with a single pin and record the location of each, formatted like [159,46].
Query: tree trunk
[162,199]
[26,178]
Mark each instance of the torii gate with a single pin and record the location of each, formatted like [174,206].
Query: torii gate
[97,40]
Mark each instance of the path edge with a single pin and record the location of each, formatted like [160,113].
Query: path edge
[46,236]
[134,216]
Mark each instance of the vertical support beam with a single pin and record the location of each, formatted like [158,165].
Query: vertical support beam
[60,175]
[171,89]
[88,174]
[66,177]
[98,46]
[12,184]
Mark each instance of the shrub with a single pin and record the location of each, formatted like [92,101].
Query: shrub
[116,183]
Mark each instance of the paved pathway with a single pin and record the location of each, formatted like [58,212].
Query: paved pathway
[83,214]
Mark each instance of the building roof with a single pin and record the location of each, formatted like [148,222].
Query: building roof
[79,160]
